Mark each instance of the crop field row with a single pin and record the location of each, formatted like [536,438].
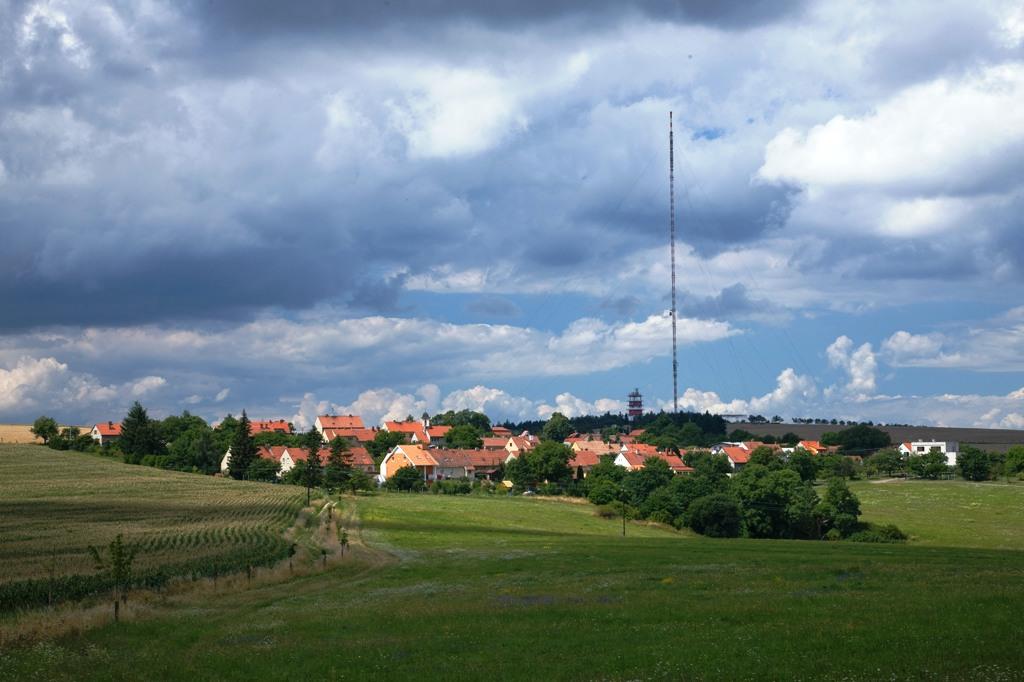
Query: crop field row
[179,523]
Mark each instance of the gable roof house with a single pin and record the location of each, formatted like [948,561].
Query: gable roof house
[584,460]
[270,425]
[416,430]
[338,422]
[494,442]
[405,455]
[519,444]
[108,432]
[468,463]
[634,460]
[351,435]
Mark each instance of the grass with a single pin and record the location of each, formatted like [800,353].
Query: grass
[948,513]
[53,505]
[470,588]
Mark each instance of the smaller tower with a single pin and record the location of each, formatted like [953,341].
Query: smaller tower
[636,405]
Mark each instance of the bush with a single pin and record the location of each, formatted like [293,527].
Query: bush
[661,516]
[549,489]
[716,516]
[887,533]
[452,487]
[406,478]
[603,492]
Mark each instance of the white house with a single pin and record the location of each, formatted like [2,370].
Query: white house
[106,433]
[950,448]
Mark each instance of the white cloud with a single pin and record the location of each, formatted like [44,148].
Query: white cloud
[380,404]
[994,345]
[792,392]
[494,402]
[27,378]
[859,364]
[221,395]
[933,138]
[147,384]
[571,406]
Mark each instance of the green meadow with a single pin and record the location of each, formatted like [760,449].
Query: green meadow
[439,587]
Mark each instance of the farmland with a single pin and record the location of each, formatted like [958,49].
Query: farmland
[992,440]
[53,505]
[513,588]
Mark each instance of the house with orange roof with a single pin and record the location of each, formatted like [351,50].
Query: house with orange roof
[351,435]
[107,432]
[272,425]
[407,455]
[494,442]
[502,431]
[634,459]
[515,445]
[597,446]
[811,446]
[416,430]
[737,456]
[584,460]
[338,422]
[468,463]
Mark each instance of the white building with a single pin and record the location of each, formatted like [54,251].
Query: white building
[950,448]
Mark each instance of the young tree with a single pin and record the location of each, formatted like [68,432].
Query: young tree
[140,435]
[557,428]
[45,428]
[406,478]
[384,442]
[839,508]
[263,469]
[118,565]
[929,465]
[196,450]
[1014,463]
[802,462]
[243,449]
[339,467]
[717,516]
[888,461]
[359,480]
[974,464]
[312,475]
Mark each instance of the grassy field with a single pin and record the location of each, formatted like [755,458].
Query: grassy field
[53,505]
[500,588]
[948,513]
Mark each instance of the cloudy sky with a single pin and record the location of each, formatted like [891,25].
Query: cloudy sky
[395,207]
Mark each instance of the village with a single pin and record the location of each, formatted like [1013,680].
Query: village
[425,448]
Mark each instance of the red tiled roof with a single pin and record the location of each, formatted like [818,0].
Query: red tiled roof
[359,435]
[494,442]
[279,425]
[274,452]
[348,421]
[438,431]
[404,427]
[737,454]
[470,458]
[522,443]
[588,458]
[109,428]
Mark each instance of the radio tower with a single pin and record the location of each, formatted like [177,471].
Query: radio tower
[672,243]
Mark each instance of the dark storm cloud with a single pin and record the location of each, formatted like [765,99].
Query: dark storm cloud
[732,301]
[321,16]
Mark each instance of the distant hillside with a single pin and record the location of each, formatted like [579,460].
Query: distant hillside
[995,440]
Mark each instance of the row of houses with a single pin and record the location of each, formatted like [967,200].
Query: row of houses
[427,449]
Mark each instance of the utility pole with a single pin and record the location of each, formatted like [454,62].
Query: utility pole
[672,246]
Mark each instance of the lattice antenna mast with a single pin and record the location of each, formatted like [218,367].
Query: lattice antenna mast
[672,248]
